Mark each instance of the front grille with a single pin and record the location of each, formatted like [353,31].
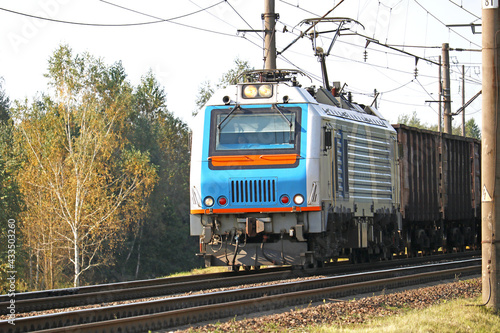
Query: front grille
[253,190]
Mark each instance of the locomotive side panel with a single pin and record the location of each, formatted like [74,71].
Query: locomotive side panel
[359,186]
[359,166]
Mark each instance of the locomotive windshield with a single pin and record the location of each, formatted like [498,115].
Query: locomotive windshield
[251,131]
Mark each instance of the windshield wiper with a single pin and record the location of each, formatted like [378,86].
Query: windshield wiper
[277,108]
[237,106]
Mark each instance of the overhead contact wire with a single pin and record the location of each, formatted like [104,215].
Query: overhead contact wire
[171,20]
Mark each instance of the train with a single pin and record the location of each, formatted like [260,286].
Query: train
[283,174]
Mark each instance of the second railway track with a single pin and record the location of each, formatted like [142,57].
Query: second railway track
[123,291]
[182,310]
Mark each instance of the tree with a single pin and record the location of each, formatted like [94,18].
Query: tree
[10,197]
[92,183]
[471,128]
[4,105]
[206,90]
[168,248]
[412,121]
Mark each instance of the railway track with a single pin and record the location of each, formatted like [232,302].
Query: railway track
[123,291]
[114,292]
[182,310]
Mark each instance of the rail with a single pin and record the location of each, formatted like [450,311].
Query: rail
[183,310]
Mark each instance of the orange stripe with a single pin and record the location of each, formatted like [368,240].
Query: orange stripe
[244,160]
[256,210]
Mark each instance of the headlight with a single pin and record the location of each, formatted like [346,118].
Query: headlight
[298,199]
[250,91]
[265,91]
[257,91]
[208,201]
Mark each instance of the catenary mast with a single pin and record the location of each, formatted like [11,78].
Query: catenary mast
[490,225]
[269,35]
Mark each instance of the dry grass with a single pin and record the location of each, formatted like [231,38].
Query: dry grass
[197,271]
[461,315]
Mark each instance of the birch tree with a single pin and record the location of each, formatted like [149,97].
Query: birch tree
[96,182]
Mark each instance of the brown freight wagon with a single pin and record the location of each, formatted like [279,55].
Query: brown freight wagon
[440,189]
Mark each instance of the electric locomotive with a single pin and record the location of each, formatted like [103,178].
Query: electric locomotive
[286,175]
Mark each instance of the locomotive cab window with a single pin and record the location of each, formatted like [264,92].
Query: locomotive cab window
[255,131]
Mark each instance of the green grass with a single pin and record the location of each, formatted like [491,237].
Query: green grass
[462,315]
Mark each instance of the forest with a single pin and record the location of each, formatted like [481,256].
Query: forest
[94,179]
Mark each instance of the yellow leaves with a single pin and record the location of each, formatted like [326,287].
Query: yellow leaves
[83,185]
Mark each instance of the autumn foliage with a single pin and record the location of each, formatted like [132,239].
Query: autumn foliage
[89,156]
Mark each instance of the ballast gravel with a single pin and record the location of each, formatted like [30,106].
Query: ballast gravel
[333,312]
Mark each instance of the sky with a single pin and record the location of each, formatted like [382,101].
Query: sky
[188,42]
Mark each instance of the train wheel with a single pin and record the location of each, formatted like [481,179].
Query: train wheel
[359,256]
[353,258]
[386,253]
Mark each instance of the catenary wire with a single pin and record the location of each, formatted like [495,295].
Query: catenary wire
[215,16]
[237,13]
[460,6]
[80,23]
[159,20]
[170,20]
[380,66]
[225,21]
[359,46]
[437,19]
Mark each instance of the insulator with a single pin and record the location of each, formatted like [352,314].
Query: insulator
[365,55]
[416,72]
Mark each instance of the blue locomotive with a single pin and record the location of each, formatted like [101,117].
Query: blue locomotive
[286,175]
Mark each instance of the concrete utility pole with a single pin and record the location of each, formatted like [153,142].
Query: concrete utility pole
[489,167]
[463,100]
[440,117]
[269,18]
[446,88]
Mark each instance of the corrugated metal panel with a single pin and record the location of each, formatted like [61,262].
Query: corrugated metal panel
[342,185]
[439,175]
[457,187]
[476,178]
[369,166]
[419,173]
